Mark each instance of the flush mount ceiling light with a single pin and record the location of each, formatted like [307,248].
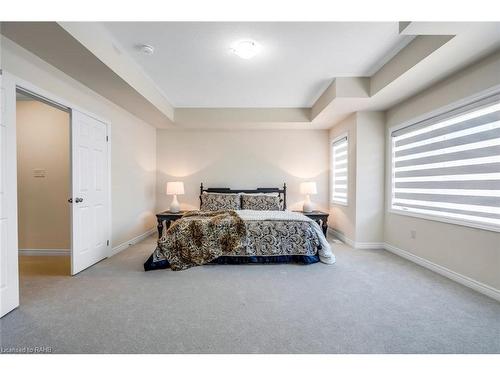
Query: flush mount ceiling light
[146,49]
[246,49]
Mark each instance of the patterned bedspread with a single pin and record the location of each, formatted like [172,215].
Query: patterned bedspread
[268,234]
[272,233]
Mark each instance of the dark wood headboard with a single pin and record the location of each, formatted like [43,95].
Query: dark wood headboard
[281,192]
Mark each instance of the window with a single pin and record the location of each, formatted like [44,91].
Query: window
[448,168]
[339,169]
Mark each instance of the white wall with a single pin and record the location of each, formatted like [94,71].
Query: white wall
[242,159]
[474,253]
[370,157]
[43,143]
[361,221]
[133,142]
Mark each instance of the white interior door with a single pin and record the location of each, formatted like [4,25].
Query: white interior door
[90,185]
[9,276]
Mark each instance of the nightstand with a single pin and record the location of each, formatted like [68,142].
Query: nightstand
[167,217]
[320,217]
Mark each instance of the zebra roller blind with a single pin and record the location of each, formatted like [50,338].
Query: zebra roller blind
[449,166]
[339,168]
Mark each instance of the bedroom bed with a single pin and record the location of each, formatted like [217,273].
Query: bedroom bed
[240,227]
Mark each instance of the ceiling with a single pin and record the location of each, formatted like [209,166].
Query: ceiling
[307,76]
[53,44]
[194,66]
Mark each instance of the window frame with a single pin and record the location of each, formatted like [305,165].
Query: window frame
[333,141]
[461,107]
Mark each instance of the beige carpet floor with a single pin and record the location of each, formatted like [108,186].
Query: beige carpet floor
[371,301]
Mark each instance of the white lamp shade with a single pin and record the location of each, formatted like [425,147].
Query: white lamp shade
[175,188]
[308,188]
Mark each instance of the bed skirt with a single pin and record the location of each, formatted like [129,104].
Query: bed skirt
[300,259]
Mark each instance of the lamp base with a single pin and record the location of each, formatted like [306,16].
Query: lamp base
[308,206]
[174,206]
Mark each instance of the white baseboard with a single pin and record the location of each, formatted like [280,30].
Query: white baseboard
[352,243]
[443,271]
[341,236]
[369,245]
[461,279]
[133,241]
[67,252]
[44,252]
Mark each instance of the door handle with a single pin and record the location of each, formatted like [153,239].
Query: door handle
[78,200]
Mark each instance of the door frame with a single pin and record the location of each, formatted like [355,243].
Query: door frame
[24,85]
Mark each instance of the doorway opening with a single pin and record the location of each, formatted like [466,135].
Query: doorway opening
[83,193]
[43,137]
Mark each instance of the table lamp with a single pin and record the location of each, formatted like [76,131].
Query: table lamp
[308,188]
[175,188]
